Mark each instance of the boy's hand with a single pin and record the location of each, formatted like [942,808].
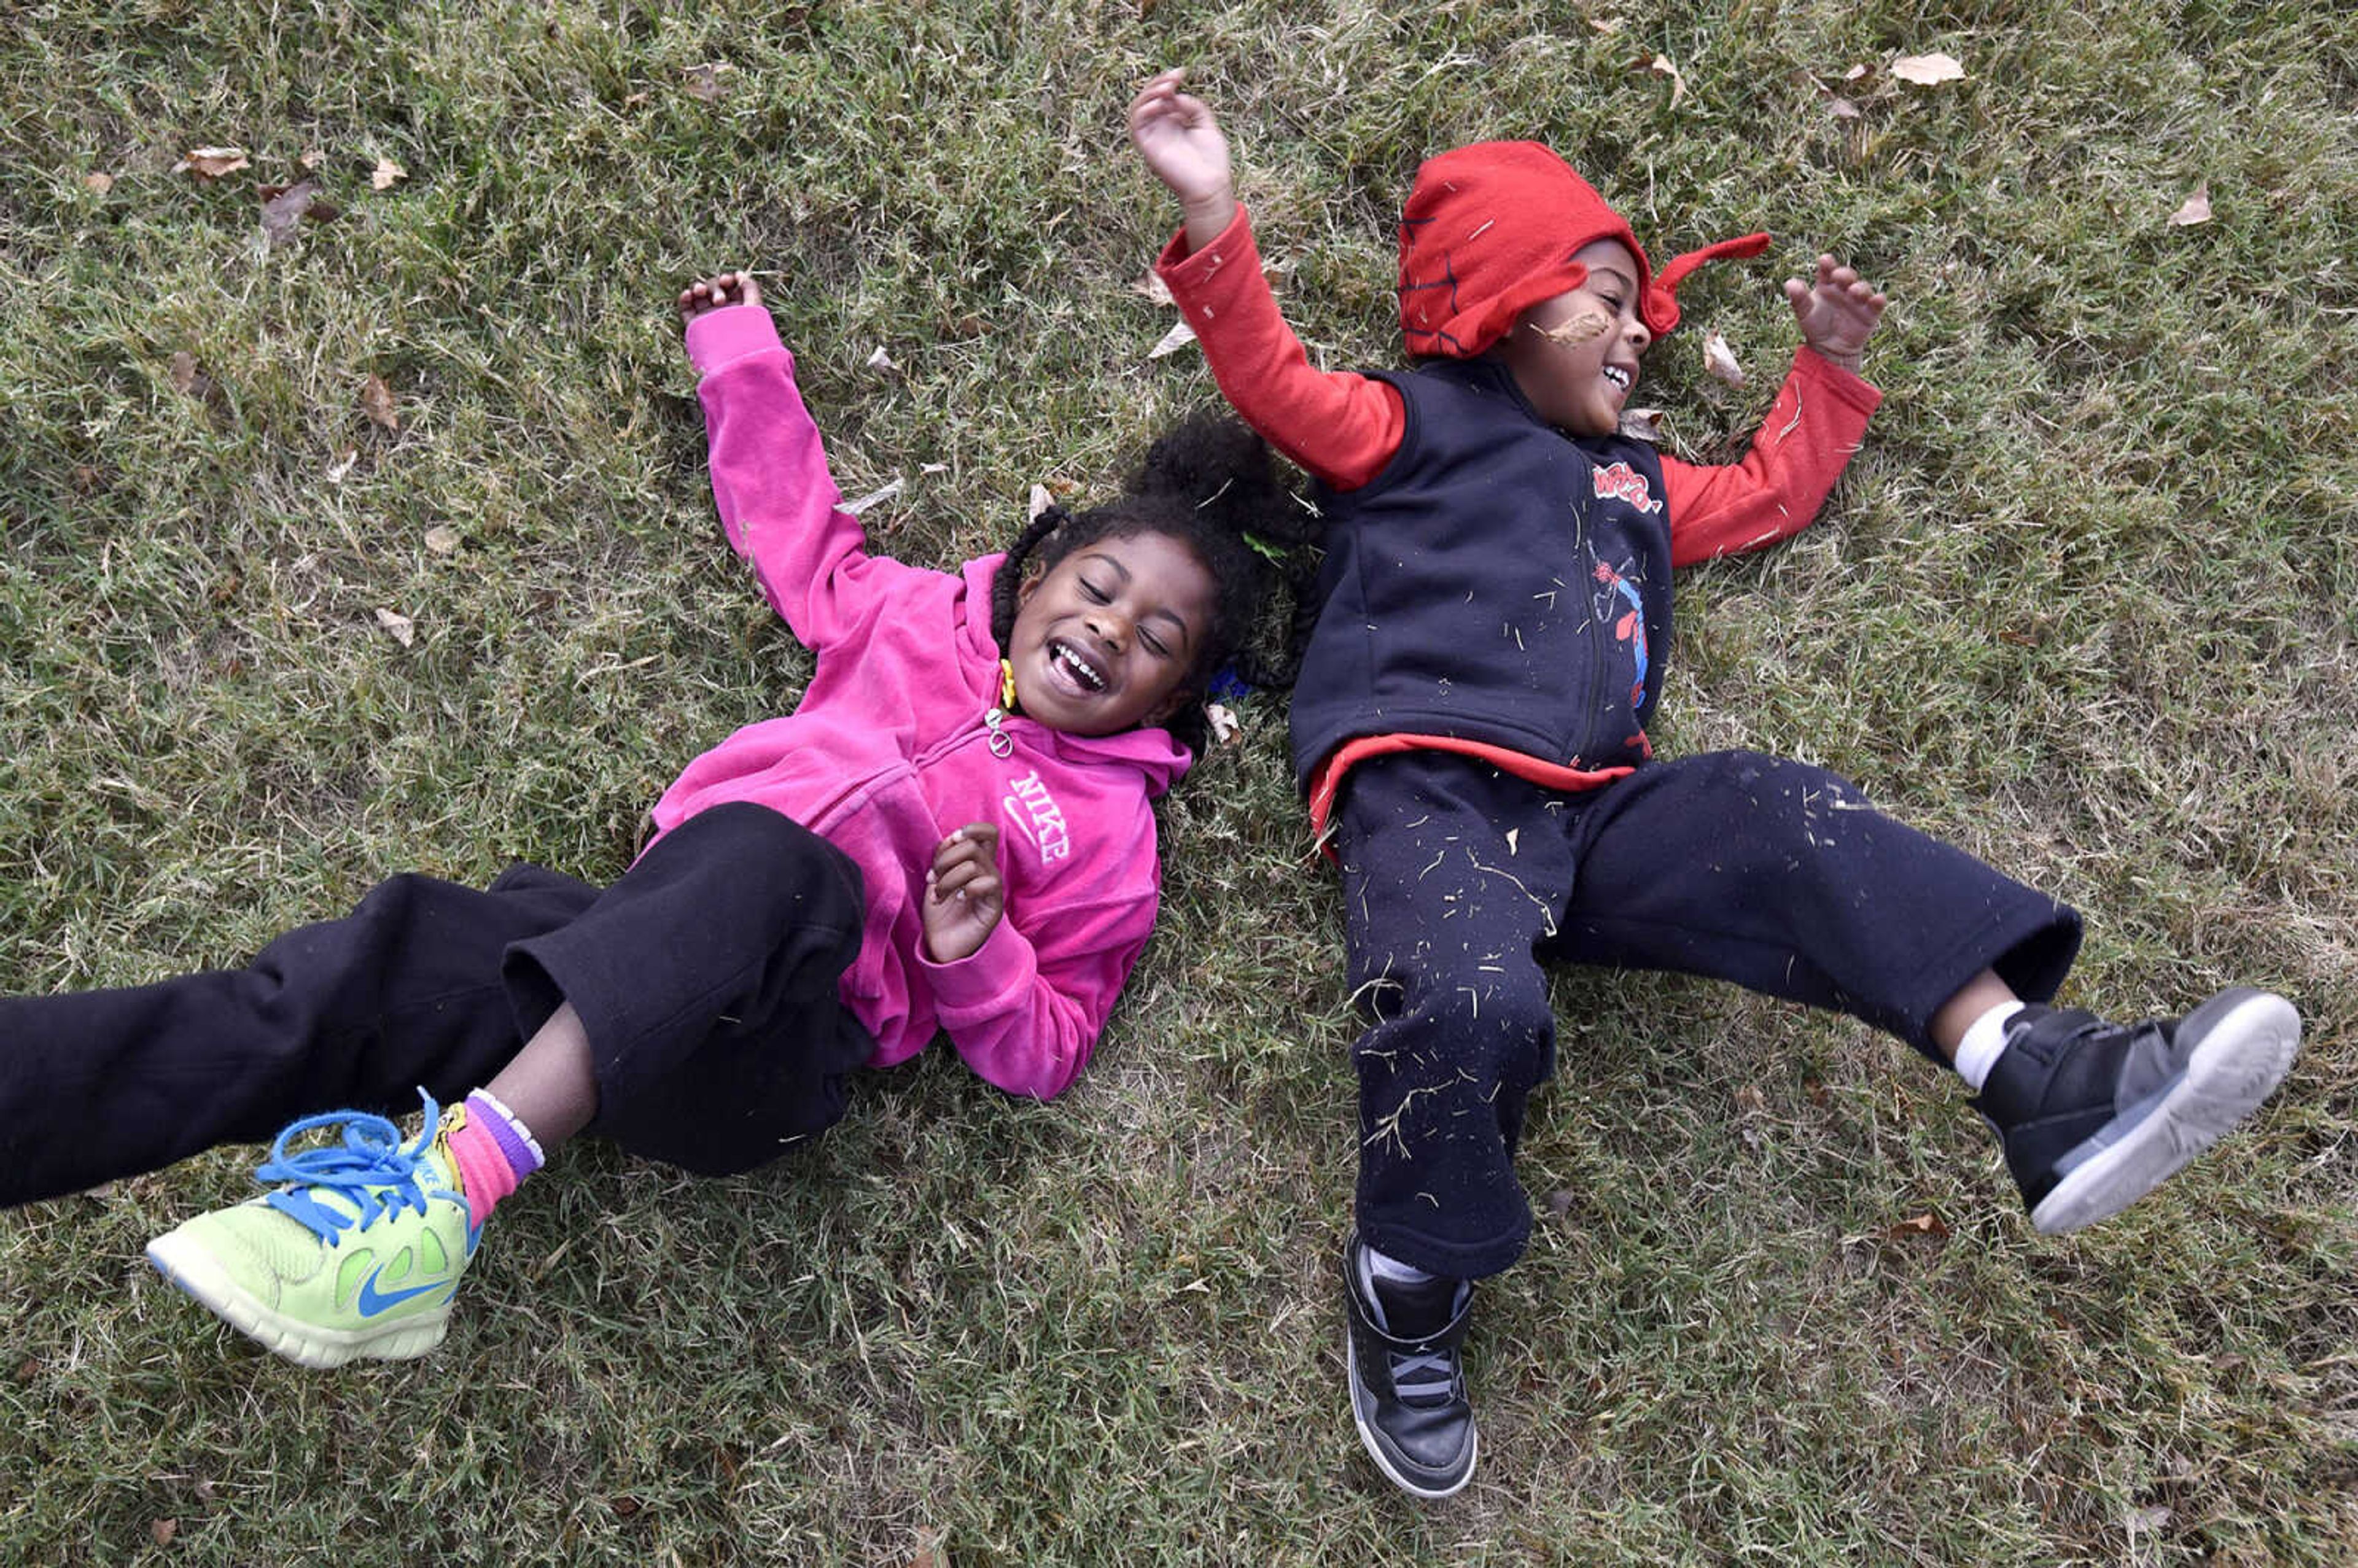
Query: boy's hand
[1182,143]
[964,895]
[1838,313]
[712,293]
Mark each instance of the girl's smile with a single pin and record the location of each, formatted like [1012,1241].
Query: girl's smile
[1106,640]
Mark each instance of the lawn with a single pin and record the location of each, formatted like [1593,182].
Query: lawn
[382,541]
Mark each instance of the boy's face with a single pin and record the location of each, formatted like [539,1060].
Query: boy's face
[1576,356]
[1105,641]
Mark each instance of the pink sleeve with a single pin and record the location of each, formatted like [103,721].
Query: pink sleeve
[1799,450]
[1343,427]
[770,480]
[1024,1010]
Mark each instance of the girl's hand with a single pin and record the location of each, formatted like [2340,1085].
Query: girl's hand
[964,894]
[712,293]
[1837,314]
[1182,143]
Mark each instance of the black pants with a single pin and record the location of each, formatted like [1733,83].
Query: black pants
[705,977]
[1459,882]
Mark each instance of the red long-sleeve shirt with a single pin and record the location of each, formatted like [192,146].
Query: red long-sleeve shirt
[1343,427]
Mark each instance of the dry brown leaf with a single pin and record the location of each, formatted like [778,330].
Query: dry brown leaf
[386,175]
[98,184]
[1041,501]
[312,157]
[1842,108]
[1152,286]
[1642,425]
[1581,329]
[2197,210]
[186,377]
[1223,723]
[636,101]
[1178,337]
[1720,360]
[880,360]
[442,539]
[704,80]
[1928,70]
[929,1553]
[1607,26]
[342,465]
[404,629]
[163,1530]
[1661,66]
[285,208]
[1854,72]
[1927,1224]
[211,163]
[376,402]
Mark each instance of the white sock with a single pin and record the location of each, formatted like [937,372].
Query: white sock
[1983,1044]
[1384,1266]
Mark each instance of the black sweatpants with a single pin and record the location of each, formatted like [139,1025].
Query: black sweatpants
[705,978]
[1459,882]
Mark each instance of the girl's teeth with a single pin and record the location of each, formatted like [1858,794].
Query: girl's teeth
[1081,672]
[1618,376]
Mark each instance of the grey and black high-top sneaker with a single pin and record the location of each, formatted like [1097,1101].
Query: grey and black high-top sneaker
[2094,1115]
[1407,1387]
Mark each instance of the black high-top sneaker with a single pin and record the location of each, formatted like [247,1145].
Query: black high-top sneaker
[2094,1115]
[1408,1388]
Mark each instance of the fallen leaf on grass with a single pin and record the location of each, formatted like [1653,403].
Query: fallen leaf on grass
[163,1530]
[1720,360]
[705,83]
[186,380]
[1928,70]
[1041,501]
[211,163]
[1855,72]
[376,402]
[284,207]
[1223,721]
[2148,1520]
[442,539]
[1178,337]
[1927,1224]
[1842,108]
[342,465]
[404,629]
[386,175]
[1642,425]
[1153,289]
[312,157]
[2197,210]
[1661,66]
[880,360]
[881,492]
[929,1553]
[98,184]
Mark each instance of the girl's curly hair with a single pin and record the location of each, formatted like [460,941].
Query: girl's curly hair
[1209,483]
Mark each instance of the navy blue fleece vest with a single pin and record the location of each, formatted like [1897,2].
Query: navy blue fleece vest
[1496,582]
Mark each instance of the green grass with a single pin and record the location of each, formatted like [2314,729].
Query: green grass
[2085,605]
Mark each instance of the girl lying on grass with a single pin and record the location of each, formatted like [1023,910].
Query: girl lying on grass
[952,832]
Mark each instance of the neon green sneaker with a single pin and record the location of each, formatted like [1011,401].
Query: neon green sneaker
[357,1255]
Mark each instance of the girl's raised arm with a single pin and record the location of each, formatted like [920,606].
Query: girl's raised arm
[770,480]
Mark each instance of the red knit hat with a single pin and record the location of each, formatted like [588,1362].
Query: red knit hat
[1489,231]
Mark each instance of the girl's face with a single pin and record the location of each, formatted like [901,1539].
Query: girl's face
[1576,356]
[1104,641]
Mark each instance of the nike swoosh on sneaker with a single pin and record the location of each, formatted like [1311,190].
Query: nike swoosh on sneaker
[369,1303]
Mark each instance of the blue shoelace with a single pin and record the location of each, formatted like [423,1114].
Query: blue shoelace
[372,1172]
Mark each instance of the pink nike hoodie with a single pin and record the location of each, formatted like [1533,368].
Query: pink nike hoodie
[891,749]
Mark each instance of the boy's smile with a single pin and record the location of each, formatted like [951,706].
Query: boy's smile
[1575,355]
[1106,639]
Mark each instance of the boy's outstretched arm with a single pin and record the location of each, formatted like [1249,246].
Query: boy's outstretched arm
[1838,313]
[1802,446]
[1181,142]
[1342,427]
